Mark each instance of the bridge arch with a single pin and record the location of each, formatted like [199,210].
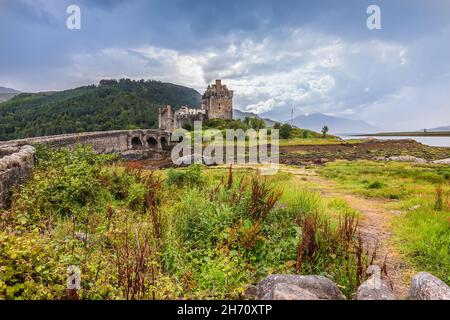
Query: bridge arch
[152,142]
[136,142]
[164,143]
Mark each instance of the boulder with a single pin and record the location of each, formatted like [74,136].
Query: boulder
[250,291]
[81,236]
[417,206]
[407,159]
[134,154]
[194,158]
[372,289]
[442,161]
[319,286]
[425,286]
[286,291]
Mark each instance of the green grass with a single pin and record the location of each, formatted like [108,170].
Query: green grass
[422,232]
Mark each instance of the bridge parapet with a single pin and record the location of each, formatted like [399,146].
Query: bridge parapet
[117,141]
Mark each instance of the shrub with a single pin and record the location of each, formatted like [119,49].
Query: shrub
[199,220]
[439,200]
[375,185]
[285,131]
[191,176]
[30,267]
[67,183]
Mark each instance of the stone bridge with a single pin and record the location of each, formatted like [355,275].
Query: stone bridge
[118,141]
[17,157]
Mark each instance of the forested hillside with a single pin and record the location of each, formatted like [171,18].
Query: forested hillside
[111,105]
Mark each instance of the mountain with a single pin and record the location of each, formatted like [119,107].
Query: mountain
[316,121]
[444,128]
[8,90]
[238,114]
[7,93]
[110,105]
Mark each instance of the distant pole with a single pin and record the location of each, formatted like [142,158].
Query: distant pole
[292,117]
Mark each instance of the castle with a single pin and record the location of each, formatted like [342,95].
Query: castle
[217,102]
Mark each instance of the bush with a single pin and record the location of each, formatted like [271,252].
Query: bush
[71,184]
[375,185]
[285,131]
[30,267]
[199,220]
[191,176]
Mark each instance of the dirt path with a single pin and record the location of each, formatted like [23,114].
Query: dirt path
[375,226]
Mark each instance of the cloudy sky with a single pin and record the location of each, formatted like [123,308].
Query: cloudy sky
[313,56]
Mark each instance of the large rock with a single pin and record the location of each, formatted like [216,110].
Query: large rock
[319,286]
[373,289]
[407,159]
[425,286]
[442,161]
[81,236]
[286,291]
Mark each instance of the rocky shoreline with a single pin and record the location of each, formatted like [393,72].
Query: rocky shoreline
[377,150]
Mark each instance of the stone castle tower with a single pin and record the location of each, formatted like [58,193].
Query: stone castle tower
[217,101]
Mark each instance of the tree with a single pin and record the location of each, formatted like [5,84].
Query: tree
[324,131]
[257,123]
[285,131]
[246,121]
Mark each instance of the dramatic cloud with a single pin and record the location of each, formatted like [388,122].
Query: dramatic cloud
[277,56]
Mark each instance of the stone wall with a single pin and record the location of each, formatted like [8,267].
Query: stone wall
[16,166]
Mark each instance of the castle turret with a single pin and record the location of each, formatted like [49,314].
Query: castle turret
[217,101]
[166,118]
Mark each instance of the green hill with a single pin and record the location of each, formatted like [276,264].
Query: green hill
[111,105]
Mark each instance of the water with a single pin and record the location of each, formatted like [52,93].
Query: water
[430,141]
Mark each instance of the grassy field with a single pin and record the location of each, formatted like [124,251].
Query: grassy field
[193,233]
[420,193]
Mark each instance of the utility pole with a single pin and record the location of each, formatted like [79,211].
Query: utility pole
[292,117]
